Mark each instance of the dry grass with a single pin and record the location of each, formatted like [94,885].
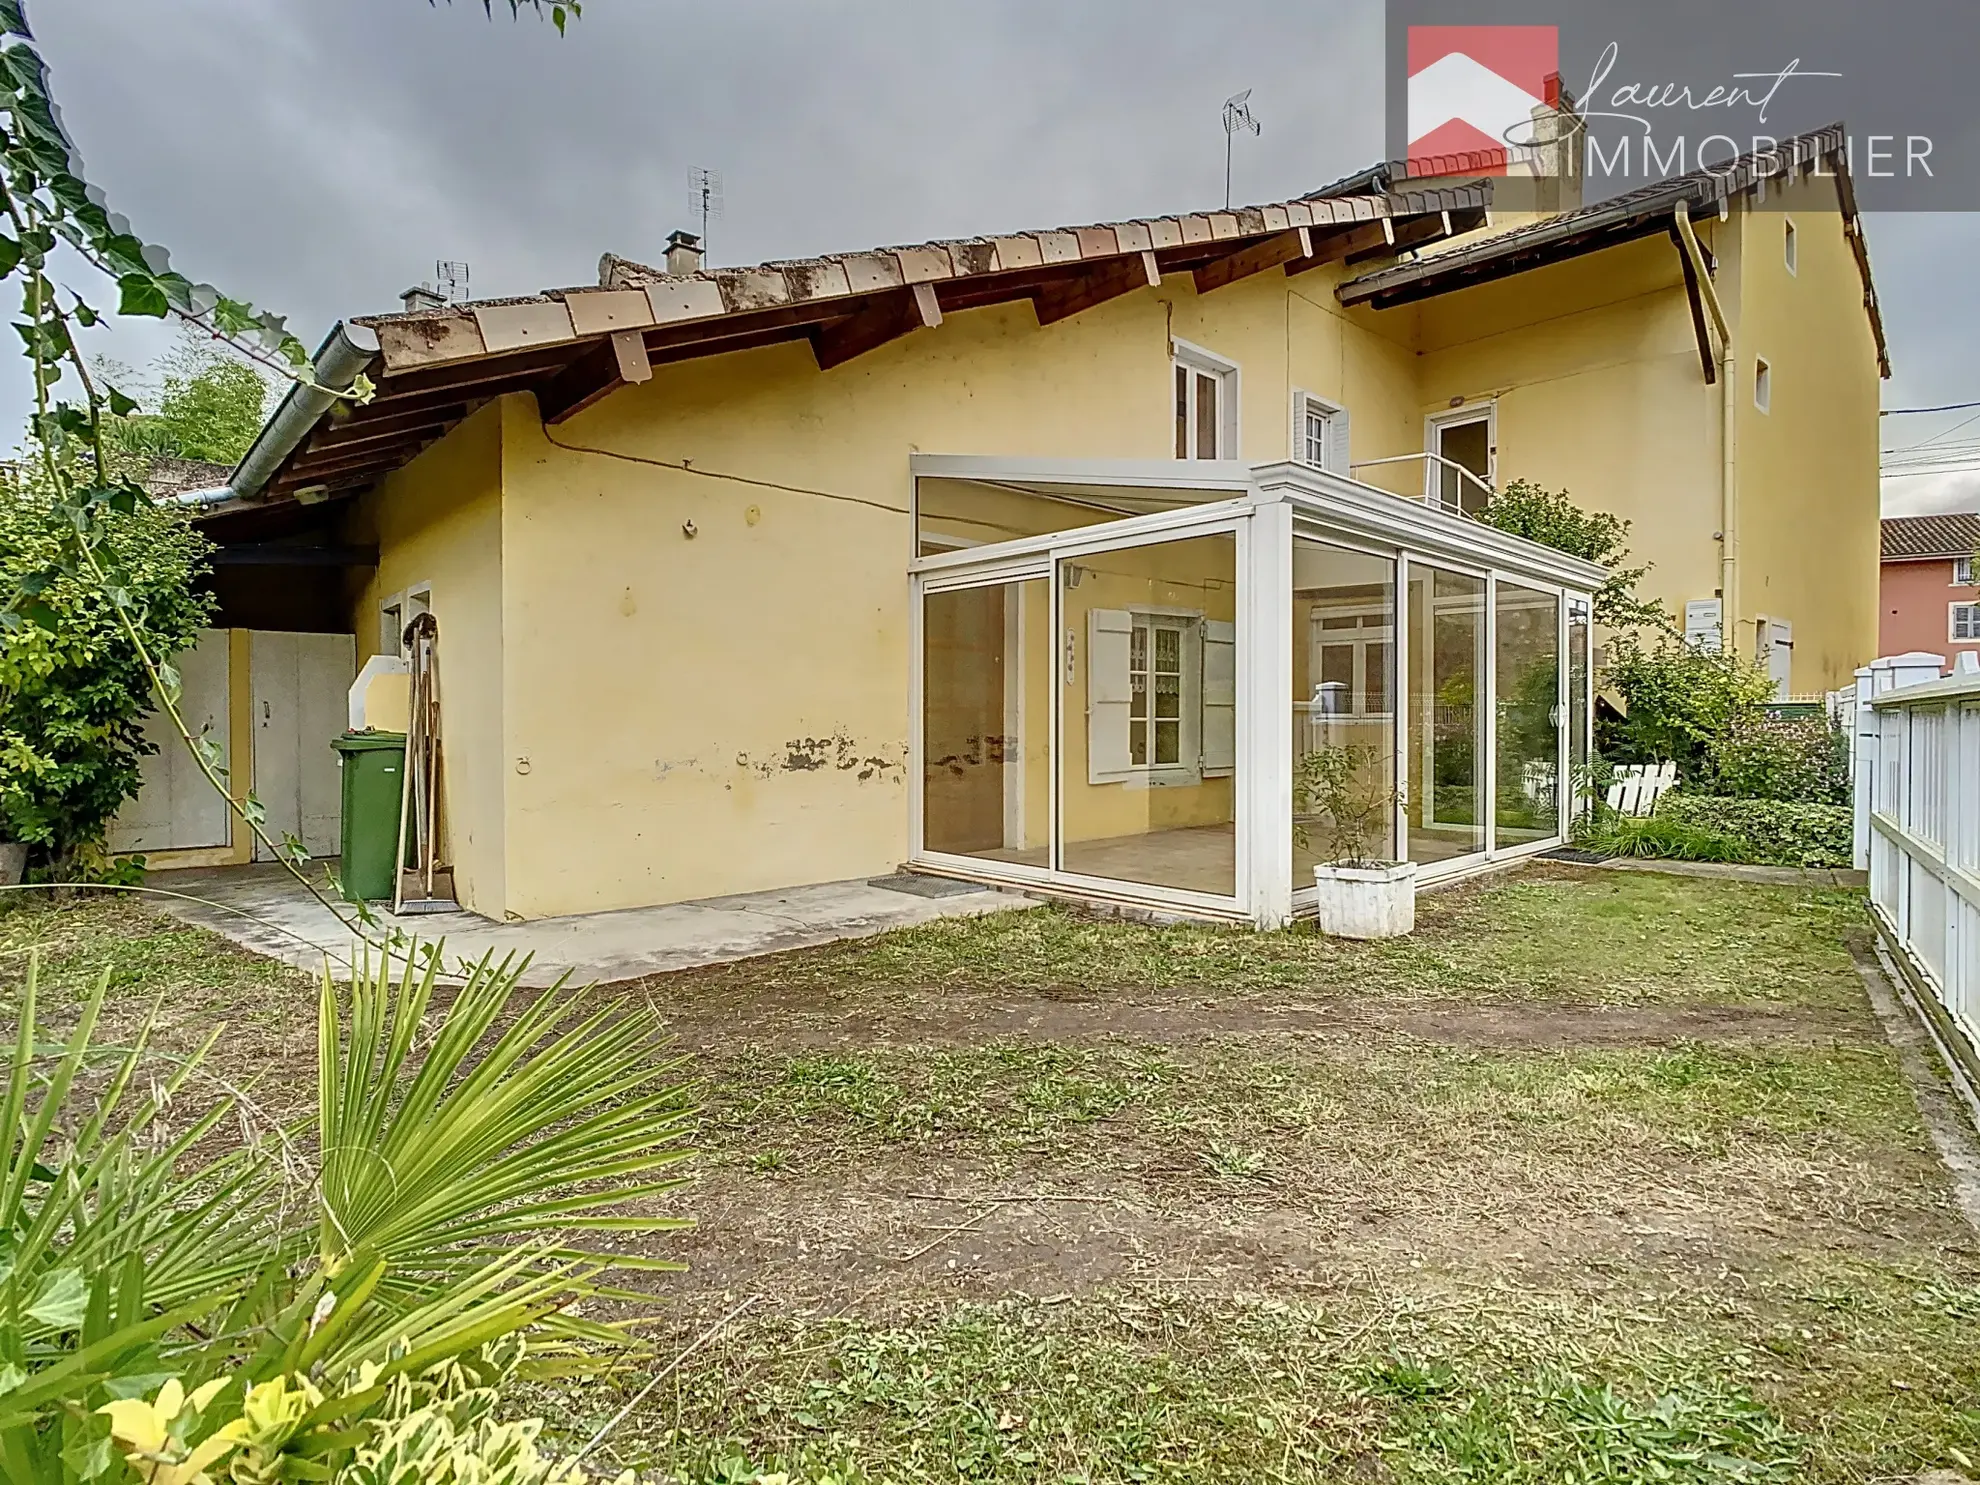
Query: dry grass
[1602,1176]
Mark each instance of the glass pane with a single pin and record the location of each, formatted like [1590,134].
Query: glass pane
[1182,412]
[986,664]
[1529,715]
[1206,416]
[1344,738]
[1151,801]
[1446,718]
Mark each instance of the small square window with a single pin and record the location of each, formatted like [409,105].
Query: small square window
[1965,621]
[1788,249]
[1763,385]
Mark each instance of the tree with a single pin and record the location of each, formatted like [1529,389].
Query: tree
[1551,518]
[211,406]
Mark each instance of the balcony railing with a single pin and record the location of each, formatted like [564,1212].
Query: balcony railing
[1430,478]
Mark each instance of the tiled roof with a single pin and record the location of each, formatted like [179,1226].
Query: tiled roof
[1907,537]
[1621,218]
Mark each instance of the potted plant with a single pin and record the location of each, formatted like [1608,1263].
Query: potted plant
[1341,794]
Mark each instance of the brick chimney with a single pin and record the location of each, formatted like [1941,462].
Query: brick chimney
[683,252]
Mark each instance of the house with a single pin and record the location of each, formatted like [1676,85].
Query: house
[1054,558]
[1930,600]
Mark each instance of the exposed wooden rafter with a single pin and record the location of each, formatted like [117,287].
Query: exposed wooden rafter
[900,313]
[1285,247]
[284,554]
[1338,247]
[1693,294]
[1063,299]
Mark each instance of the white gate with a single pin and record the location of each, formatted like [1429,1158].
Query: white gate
[1918,792]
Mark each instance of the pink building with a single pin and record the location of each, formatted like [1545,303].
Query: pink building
[1929,600]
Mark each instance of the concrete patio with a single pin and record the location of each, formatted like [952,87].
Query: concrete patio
[263,908]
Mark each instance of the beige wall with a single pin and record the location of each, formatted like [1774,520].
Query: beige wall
[637,714]
[439,521]
[1808,497]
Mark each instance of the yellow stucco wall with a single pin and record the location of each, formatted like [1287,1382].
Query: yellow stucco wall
[669,682]
[1807,469]
[439,521]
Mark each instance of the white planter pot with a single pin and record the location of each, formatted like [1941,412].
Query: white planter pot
[1366,901]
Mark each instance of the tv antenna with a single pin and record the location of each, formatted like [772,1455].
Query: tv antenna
[705,197]
[450,279]
[1237,115]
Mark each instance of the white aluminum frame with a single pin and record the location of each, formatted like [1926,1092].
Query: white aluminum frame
[1263,507]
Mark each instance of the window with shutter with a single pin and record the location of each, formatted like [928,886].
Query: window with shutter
[1219,698]
[1320,433]
[1161,696]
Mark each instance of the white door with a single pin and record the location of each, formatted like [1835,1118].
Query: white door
[1779,657]
[176,808]
[301,688]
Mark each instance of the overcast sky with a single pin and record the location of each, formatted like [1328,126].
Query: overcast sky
[317,156]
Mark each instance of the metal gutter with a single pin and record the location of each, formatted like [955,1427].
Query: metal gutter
[1728,422]
[346,351]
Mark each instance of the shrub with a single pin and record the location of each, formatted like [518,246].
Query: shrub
[73,692]
[1679,700]
[1772,832]
[1798,759]
[1552,519]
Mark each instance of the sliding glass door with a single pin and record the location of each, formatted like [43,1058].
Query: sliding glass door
[1449,763]
[1528,714]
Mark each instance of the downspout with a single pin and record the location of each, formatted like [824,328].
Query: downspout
[346,351]
[1728,415]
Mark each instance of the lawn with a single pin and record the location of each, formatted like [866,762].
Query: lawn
[1602,1176]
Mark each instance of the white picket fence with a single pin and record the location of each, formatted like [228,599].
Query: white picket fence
[1635,790]
[1916,740]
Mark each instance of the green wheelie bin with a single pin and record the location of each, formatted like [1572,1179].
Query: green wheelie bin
[373,766]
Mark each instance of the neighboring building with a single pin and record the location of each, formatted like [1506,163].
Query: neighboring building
[1050,558]
[1930,599]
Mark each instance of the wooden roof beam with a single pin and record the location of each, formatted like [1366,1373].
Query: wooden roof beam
[1284,247]
[1336,247]
[1413,233]
[617,361]
[1110,280]
[900,313]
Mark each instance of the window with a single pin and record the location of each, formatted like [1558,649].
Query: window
[1962,572]
[1156,691]
[1206,405]
[1788,248]
[1965,621]
[1763,385]
[396,612]
[1319,433]
[1349,663]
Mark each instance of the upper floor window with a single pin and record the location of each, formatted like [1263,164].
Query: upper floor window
[1964,621]
[1788,248]
[1763,385]
[1206,404]
[1962,572]
[1320,433]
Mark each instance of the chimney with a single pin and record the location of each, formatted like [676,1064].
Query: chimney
[683,252]
[420,298]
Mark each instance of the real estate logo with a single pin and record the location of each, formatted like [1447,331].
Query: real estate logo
[1474,93]
[1581,100]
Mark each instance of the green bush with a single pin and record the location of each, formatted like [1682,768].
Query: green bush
[1798,759]
[1773,832]
[1679,701]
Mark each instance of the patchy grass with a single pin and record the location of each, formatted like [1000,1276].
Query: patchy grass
[1611,938]
[1441,1379]
[1600,1177]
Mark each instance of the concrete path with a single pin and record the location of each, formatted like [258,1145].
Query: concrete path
[263,909]
[1779,876]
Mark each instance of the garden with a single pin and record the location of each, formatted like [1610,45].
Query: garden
[1602,1176]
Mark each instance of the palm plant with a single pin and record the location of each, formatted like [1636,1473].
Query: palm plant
[468,1159]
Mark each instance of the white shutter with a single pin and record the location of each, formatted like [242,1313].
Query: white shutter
[1337,442]
[1109,643]
[1219,698]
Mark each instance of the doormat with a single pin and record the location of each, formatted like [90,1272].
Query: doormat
[916,885]
[1574,854]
